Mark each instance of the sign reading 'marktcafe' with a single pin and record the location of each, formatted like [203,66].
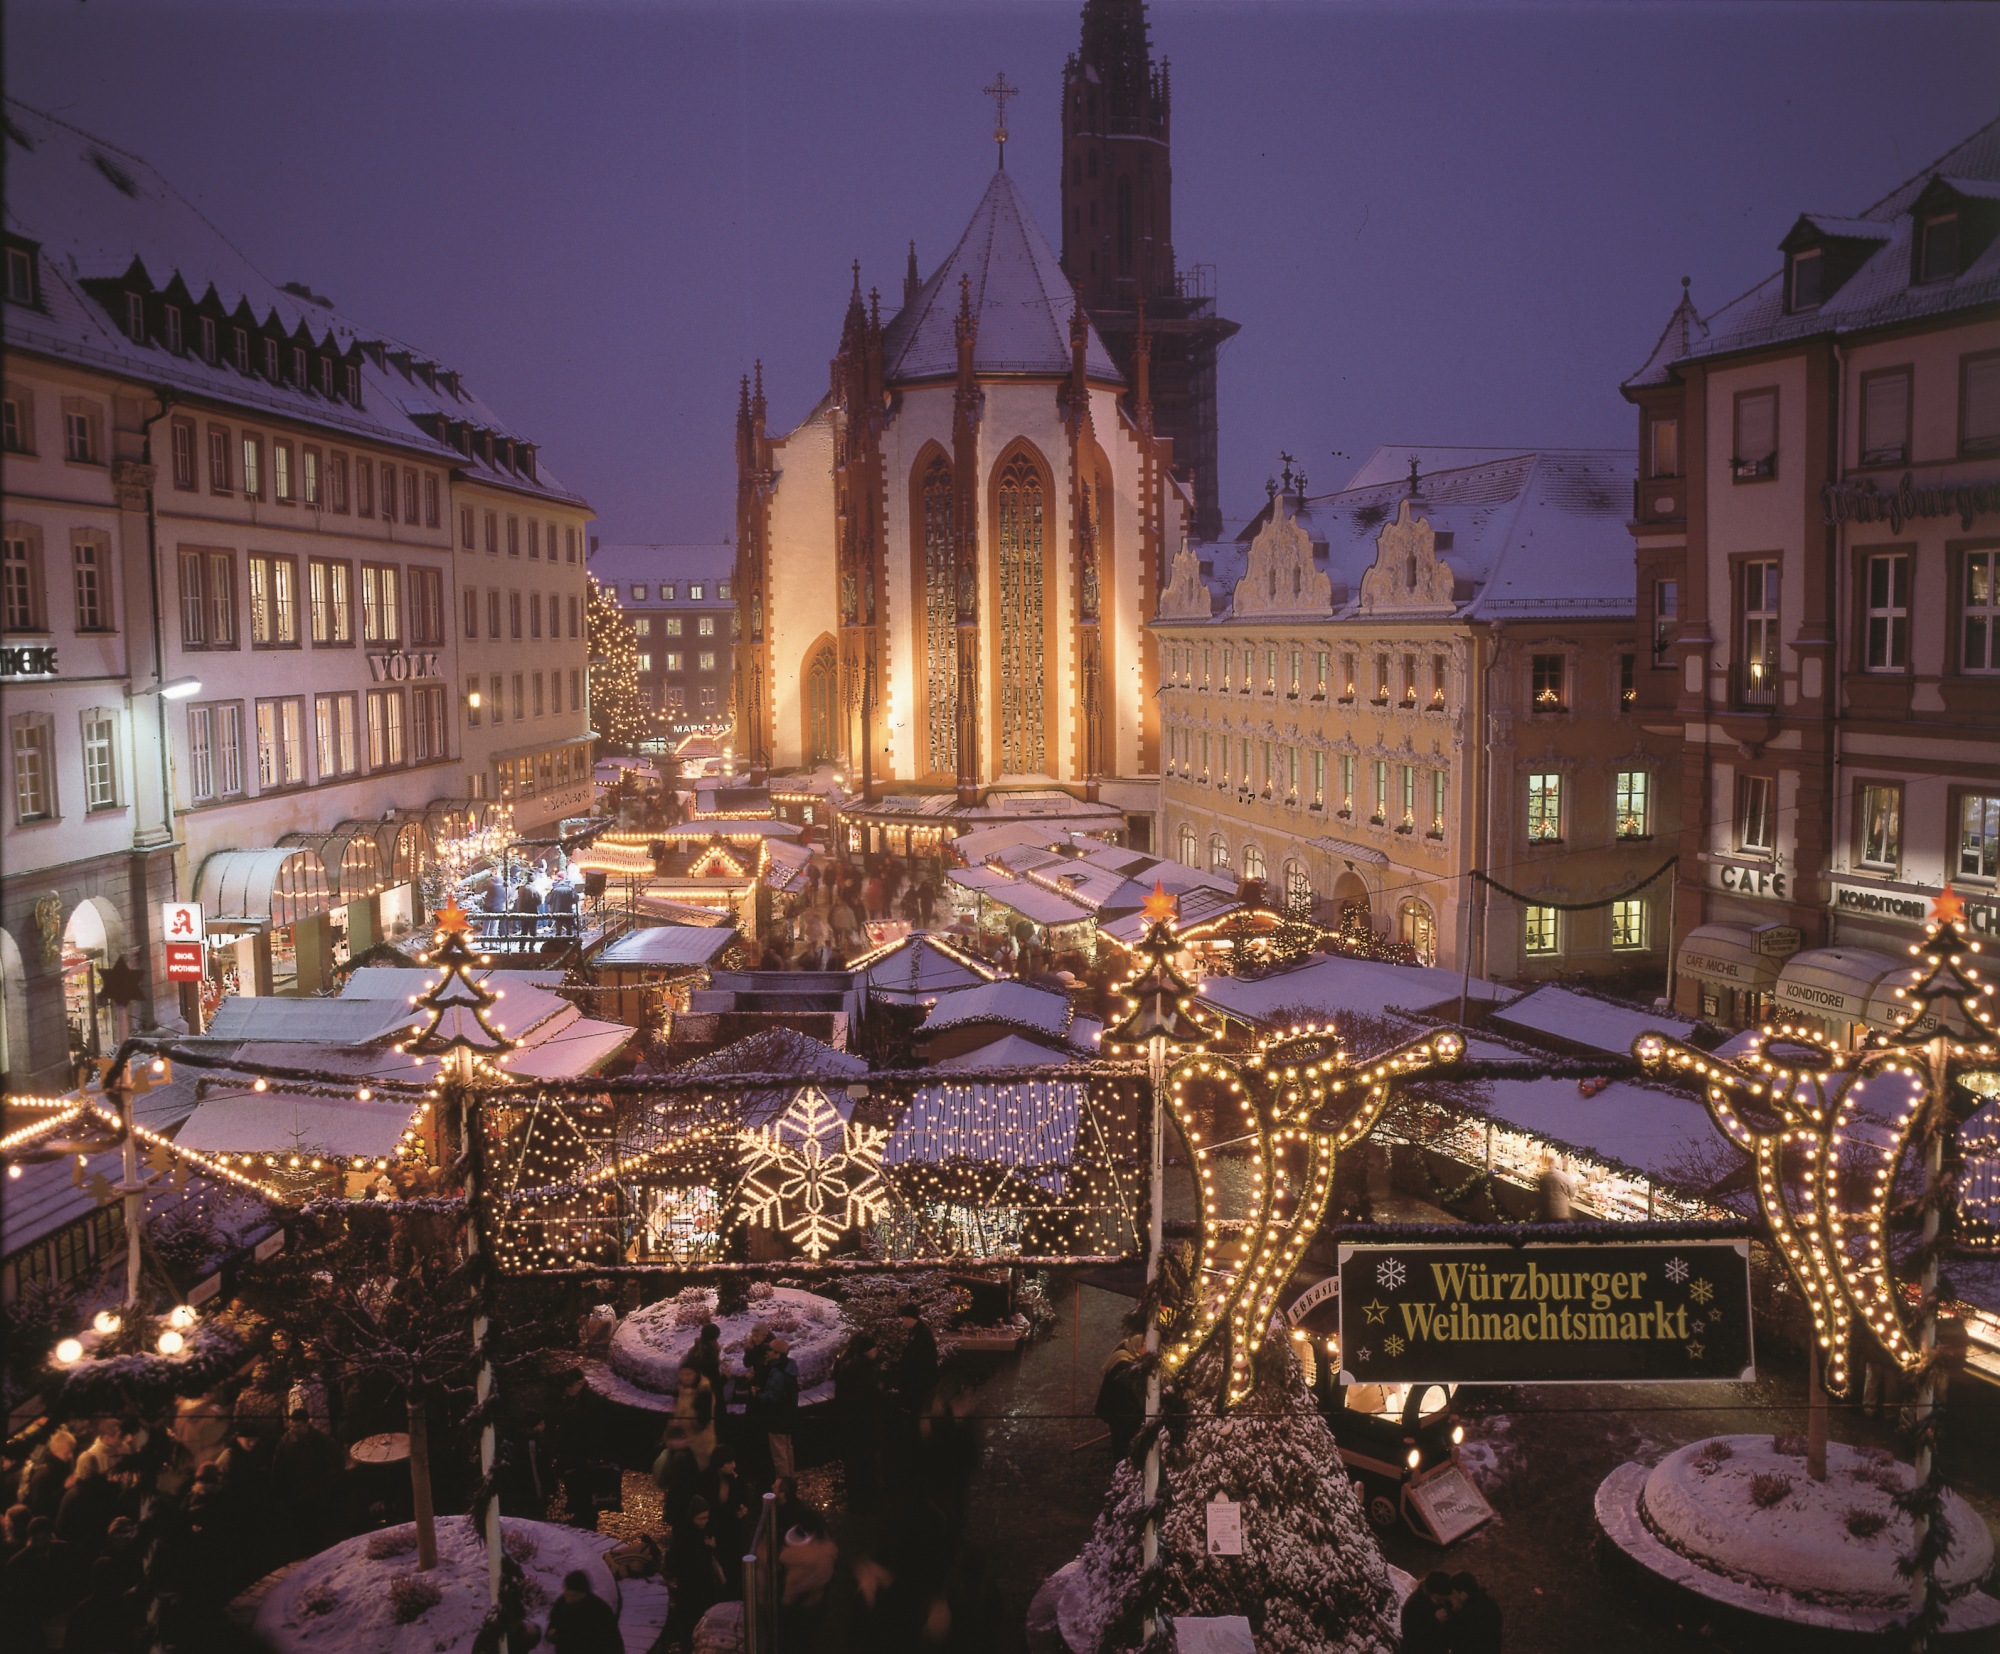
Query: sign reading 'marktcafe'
[1649,1312]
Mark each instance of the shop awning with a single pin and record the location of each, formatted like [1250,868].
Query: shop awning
[350,854]
[1728,954]
[275,887]
[1834,982]
[448,818]
[1884,1007]
[401,847]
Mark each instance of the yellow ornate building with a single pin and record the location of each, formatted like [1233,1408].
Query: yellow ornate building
[1373,692]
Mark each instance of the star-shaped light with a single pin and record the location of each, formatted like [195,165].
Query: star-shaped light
[1377,1313]
[1947,906]
[1160,907]
[1694,1352]
[451,919]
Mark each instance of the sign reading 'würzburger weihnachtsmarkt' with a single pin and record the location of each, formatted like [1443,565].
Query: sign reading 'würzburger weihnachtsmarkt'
[1545,1314]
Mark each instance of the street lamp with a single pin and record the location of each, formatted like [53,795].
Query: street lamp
[179,689]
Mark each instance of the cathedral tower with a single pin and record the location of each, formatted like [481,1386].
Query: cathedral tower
[1117,237]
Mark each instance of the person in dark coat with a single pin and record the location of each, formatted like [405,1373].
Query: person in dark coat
[779,1398]
[857,1410]
[731,1511]
[1475,1617]
[1426,1616]
[36,1584]
[48,1474]
[917,1366]
[305,1475]
[87,1509]
[697,1572]
[581,1621]
[706,1356]
[104,1622]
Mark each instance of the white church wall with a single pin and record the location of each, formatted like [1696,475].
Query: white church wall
[803,562]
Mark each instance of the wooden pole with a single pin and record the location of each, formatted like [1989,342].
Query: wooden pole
[1156,1065]
[1816,1413]
[421,1505]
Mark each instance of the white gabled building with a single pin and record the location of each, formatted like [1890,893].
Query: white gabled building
[257,559]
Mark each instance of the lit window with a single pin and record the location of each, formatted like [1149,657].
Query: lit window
[1544,808]
[274,620]
[20,566]
[1632,803]
[182,432]
[79,436]
[1539,930]
[1628,923]
[1547,686]
[1758,684]
[34,772]
[385,728]
[1979,836]
[1665,455]
[381,603]
[1218,853]
[1756,815]
[1881,827]
[694,592]
[706,626]
[1190,847]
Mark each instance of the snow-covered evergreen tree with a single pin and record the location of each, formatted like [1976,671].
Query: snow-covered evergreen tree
[1310,1579]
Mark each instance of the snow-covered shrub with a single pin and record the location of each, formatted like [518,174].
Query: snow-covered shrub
[1866,1524]
[1713,1454]
[1311,1578]
[691,1307]
[760,1294]
[320,1598]
[391,1542]
[1769,1487]
[411,1596]
[521,1544]
[1789,1443]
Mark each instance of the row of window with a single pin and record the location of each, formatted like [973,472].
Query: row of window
[399,726]
[1542,928]
[1878,832]
[82,427]
[540,772]
[671,626]
[676,661]
[1887,397]
[529,694]
[396,605]
[471,608]
[302,474]
[32,740]
[1395,680]
[539,537]
[24,598]
[673,699]
[697,591]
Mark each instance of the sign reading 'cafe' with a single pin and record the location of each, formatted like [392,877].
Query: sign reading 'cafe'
[1651,1312]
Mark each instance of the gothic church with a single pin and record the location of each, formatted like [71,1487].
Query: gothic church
[944,572]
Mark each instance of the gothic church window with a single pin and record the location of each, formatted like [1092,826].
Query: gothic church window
[940,620]
[1019,522]
[822,679]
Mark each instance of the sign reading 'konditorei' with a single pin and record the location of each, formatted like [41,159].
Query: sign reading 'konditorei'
[1545,1314]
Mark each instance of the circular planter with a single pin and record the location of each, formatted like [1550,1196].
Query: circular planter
[1742,1525]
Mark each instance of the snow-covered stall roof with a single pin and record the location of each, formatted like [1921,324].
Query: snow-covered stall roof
[665,946]
[281,1122]
[1652,1130]
[918,966]
[1330,984]
[1009,1051]
[1584,1019]
[1011,1003]
[572,1048]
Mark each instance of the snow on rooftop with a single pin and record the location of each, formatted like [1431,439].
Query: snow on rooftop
[1584,1019]
[1329,984]
[1653,1131]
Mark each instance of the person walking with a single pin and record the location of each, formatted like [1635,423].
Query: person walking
[857,1410]
[697,1574]
[1475,1617]
[582,1622]
[1557,1189]
[917,1366]
[47,1474]
[780,1397]
[1426,1616]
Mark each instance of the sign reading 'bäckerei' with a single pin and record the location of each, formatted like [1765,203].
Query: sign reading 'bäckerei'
[1652,1312]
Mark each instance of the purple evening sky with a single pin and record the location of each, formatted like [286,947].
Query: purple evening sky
[1437,223]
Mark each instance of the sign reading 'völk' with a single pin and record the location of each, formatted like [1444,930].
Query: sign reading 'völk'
[1654,1312]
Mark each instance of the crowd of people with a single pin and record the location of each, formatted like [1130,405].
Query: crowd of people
[892,1571]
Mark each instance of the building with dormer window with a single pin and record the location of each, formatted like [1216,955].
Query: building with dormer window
[1374,692]
[287,609]
[1817,525]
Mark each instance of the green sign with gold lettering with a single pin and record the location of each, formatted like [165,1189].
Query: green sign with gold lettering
[1653,1312]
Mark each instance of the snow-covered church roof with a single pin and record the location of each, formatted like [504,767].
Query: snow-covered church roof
[1021,298]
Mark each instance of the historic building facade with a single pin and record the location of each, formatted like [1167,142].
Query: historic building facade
[944,569]
[1118,240]
[682,604]
[1818,544]
[243,575]
[1377,691]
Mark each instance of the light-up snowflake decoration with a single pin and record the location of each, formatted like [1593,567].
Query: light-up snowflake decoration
[812,1174]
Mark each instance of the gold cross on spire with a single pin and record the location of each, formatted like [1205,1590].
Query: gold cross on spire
[1000,92]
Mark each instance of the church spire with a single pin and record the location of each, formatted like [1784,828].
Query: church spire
[911,281]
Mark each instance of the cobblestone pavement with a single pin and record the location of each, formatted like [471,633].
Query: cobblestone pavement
[1538,1453]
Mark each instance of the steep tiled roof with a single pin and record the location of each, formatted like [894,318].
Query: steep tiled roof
[98,211]
[1020,296]
[1881,292]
